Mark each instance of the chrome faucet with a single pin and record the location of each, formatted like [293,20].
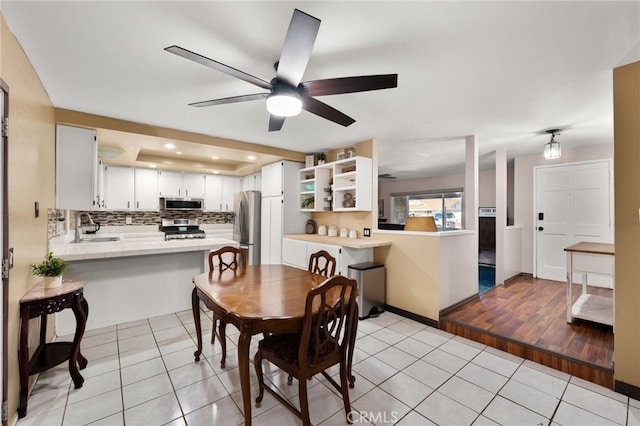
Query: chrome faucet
[79,222]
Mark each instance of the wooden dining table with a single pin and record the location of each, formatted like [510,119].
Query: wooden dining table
[258,299]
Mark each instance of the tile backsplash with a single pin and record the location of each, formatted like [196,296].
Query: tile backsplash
[57,218]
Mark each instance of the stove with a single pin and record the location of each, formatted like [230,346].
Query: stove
[181,229]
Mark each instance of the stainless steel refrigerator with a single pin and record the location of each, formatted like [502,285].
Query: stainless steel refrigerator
[246,224]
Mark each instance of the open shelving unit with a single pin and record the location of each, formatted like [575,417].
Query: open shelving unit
[351,189]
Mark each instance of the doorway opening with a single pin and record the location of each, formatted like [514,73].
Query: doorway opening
[486,248]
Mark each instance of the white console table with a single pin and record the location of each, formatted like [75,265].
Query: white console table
[585,259]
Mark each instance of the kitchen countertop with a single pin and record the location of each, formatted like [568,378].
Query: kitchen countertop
[357,243]
[131,244]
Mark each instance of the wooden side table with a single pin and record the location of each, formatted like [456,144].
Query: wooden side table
[41,301]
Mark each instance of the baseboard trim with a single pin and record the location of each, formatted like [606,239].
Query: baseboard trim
[518,276]
[455,306]
[627,389]
[411,315]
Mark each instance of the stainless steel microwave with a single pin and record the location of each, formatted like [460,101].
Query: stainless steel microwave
[182,203]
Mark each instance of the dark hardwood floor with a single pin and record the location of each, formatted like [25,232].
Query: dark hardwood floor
[527,318]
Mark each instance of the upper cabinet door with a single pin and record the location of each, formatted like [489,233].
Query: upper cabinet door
[272,179]
[76,168]
[146,189]
[118,188]
[170,184]
[193,185]
[230,185]
[213,193]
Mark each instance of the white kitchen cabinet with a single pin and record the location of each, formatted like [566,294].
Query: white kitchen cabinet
[220,192]
[252,182]
[280,213]
[271,220]
[146,194]
[118,186]
[230,185]
[180,184]
[98,189]
[193,185]
[76,168]
[297,252]
[272,179]
[213,193]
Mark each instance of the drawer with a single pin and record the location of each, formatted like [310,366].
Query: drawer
[593,263]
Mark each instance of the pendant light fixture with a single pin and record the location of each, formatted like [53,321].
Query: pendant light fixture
[552,149]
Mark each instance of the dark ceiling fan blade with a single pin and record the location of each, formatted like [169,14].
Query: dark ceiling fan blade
[230,100]
[275,123]
[334,86]
[297,47]
[323,110]
[187,54]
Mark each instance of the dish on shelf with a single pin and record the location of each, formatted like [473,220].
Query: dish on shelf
[310,186]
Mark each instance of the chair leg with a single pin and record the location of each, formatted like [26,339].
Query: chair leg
[257,363]
[344,372]
[304,402]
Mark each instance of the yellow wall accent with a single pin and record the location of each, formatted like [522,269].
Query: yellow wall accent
[413,272]
[31,178]
[626,111]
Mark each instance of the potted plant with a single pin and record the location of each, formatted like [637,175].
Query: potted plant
[50,269]
[321,157]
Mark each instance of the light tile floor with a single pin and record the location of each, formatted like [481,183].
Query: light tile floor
[143,373]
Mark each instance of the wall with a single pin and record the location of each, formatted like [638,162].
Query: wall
[523,190]
[413,272]
[31,178]
[626,108]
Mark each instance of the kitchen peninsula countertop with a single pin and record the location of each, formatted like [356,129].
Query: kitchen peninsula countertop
[356,243]
[132,244]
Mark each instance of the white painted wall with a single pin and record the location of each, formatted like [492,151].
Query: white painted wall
[523,190]
[512,251]
[458,278]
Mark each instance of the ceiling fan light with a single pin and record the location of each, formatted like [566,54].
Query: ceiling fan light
[284,105]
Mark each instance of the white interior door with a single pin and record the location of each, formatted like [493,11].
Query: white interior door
[573,204]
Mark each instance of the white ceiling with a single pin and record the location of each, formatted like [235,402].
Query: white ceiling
[504,71]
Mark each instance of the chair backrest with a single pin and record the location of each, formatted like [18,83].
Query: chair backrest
[421,223]
[331,313]
[322,263]
[228,258]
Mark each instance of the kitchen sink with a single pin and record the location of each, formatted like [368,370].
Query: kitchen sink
[99,239]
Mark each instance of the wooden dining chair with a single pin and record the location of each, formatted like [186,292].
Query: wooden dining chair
[227,257]
[322,263]
[329,318]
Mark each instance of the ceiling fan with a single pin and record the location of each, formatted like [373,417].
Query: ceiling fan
[287,95]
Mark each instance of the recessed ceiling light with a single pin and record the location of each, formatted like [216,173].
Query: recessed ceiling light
[214,157]
[169,145]
[216,172]
[251,157]
[179,152]
[153,166]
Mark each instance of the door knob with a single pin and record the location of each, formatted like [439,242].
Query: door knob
[540,228]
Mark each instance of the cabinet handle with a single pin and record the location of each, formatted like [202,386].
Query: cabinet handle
[128,204]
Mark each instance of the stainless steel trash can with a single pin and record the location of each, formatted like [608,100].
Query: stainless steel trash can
[371,287]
